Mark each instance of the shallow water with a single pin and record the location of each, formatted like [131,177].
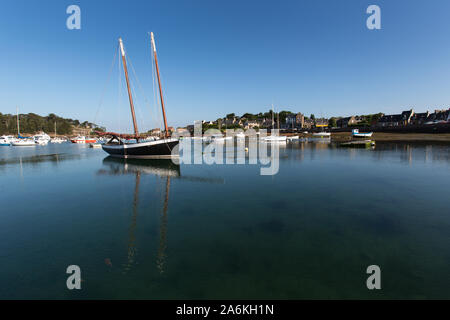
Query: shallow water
[143,229]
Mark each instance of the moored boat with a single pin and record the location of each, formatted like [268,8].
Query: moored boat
[357,134]
[358,144]
[165,148]
[95,145]
[57,140]
[274,138]
[42,138]
[322,134]
[23,143]
[83,140]
[6,140]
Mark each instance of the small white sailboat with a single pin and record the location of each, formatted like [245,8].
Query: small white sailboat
[274,138]
[22,141]
[56,139]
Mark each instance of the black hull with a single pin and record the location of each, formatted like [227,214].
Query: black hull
[159,149]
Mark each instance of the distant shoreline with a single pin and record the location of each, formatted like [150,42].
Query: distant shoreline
[396,137]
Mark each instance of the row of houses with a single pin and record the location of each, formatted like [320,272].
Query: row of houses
[292,121]
[299,121]
[410,117]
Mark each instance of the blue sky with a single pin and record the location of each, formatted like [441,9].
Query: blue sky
[218,57]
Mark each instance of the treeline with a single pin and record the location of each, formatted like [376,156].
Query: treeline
[31,123]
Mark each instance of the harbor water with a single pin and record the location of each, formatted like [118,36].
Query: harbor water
[155,230]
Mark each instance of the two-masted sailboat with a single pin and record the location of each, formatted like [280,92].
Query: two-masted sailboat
[117,146]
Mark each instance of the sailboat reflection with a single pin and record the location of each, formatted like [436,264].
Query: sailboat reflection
[162,168]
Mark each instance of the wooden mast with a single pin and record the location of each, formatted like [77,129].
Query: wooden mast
[166,132]
[18,128]
[136,132]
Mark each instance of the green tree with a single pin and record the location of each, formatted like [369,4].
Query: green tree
[332,123]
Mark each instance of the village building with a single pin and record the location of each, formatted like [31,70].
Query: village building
[295,120]
[321,122]
[395,120]
[406,117]
[308,123]
[439,116]
[346,122]
[420,118]
[81,131]
[250,124]
[155,132]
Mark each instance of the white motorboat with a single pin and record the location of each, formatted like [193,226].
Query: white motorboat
[275,138]
[357,134]
[322,134]
[57,140]
[220,139]
[83,140]
[41,141]
[42,138]
[292,138]
[6,140]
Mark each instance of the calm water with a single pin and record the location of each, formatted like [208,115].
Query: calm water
[224,231]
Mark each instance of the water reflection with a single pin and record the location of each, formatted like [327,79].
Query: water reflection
[404,152]
[162,168]
[39,158]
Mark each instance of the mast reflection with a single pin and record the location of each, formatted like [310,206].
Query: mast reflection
[162,168]
[161,260]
